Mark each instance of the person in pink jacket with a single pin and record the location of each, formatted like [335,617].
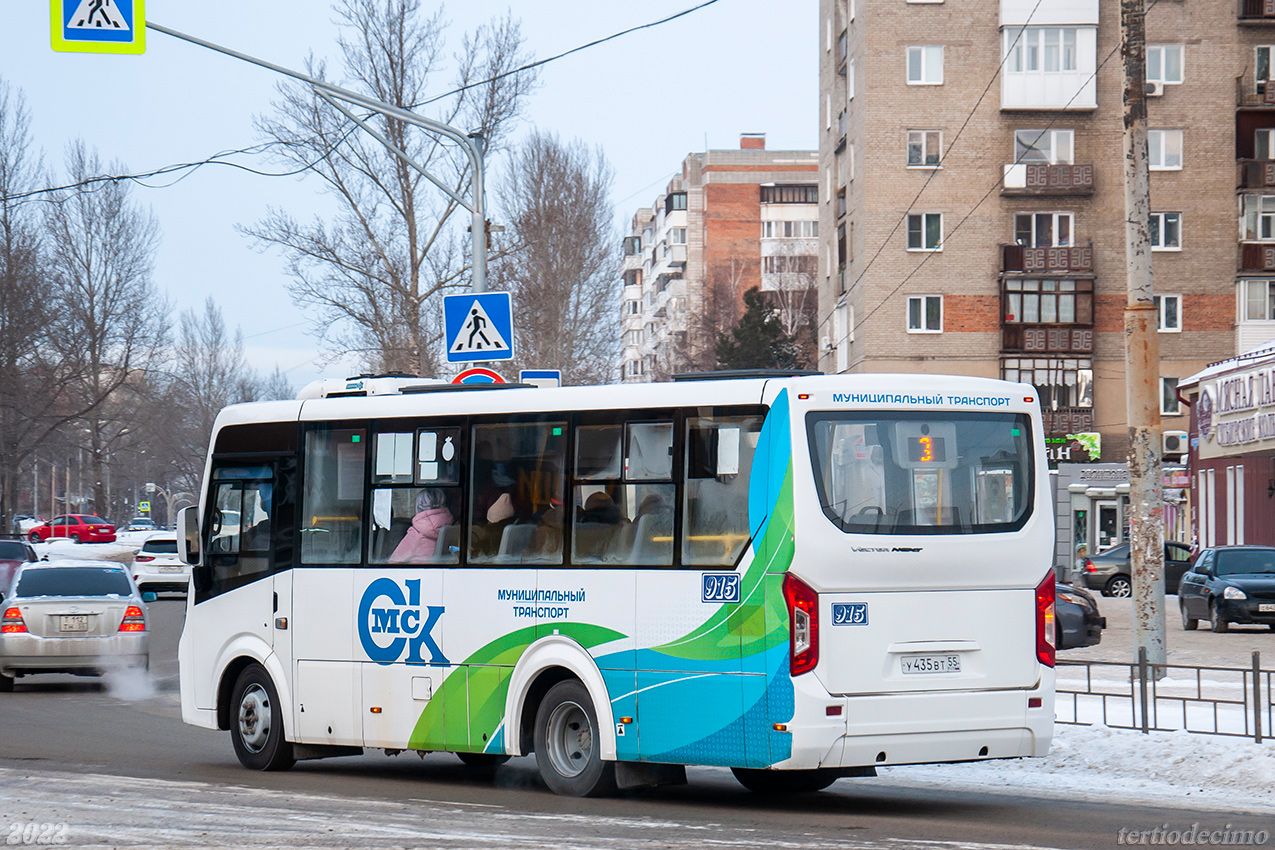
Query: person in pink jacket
[432,516]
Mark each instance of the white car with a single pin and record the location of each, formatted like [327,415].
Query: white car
[157,568]
[72,616]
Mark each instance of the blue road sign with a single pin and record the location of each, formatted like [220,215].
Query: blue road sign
[98,26]
[541,377]
[479,326]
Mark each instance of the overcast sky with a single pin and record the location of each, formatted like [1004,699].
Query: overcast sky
[647,99]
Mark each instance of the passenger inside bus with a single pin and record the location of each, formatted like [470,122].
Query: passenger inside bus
[420,542]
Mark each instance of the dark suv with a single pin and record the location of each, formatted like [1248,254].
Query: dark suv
[1110,571]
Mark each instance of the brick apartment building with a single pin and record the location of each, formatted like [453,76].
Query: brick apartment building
[973,221]
[732,220]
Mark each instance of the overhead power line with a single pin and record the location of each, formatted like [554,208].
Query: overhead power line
[220,158]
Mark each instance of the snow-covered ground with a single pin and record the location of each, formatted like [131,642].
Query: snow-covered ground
[1199,772]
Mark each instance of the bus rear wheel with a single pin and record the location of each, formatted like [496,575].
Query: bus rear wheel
[256,722]
[568,746]
[785,781]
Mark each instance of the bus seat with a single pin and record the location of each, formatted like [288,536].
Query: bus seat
[646,548]
[592,541]
[514,541]
[448,539]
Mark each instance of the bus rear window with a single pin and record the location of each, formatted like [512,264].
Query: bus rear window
[908,473]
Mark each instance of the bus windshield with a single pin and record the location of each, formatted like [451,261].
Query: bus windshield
[919,473]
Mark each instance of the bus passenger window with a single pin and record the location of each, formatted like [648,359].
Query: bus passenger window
[415,525]
[719,457]
[332,514]
[516,493]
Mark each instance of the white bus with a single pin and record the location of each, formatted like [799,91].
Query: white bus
[797,577]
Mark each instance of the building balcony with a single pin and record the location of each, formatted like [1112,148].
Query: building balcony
[677,255]
[1069,420]
[1257,257]
[1248,96]
[1042,179]
[1020,259]
[1257,12]
[1255,174]
[1046,339]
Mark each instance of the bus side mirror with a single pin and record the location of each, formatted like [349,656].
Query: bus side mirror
[188,535]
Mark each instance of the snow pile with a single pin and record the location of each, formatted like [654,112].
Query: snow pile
[1098,763]
[62,548]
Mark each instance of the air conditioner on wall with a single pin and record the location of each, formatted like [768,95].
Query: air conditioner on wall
[826,343]
[1175,442]
[1155,89]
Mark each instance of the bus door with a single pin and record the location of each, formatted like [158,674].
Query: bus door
[694,621]
[237,588]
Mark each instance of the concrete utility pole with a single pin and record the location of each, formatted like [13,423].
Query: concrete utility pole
[1142,350]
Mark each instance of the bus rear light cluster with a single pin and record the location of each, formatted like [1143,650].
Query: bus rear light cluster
[1045,629]
[13,624]
[803,625]
[134,620]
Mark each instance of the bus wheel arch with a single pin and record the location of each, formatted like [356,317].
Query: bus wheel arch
[240,659]
[544,664]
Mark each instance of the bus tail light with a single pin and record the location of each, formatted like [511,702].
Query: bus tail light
[134,620]
[803,625]
[13,624]
[1045,630]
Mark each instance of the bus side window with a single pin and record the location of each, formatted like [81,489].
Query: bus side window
[332,513]
[719,457]
[516,493]
[224,524]
[416,500]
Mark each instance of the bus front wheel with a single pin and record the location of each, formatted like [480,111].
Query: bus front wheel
[568,746]
[256,722]
[785,781]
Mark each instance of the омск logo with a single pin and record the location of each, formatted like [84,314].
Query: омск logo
[386,611]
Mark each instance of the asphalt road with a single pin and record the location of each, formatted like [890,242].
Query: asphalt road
[111,764]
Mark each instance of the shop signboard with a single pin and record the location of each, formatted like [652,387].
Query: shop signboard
[1236,412]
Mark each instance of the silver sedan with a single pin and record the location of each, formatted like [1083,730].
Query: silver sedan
[67,616]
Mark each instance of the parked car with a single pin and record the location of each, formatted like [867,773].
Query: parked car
[22,523]
[1110,573]
[1076,618]
[72,616]
[13,554]
[1230,584]
[80,528]
[141,523]
[156,565]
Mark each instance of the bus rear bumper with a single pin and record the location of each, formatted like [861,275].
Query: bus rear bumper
[918,728]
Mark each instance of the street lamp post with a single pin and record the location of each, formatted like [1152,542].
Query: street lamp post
[170,499]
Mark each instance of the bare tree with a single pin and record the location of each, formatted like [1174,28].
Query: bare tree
[563,266]
[796,303]
[209,372]
[715,306]
[108,321]
[373,270]
[23,301]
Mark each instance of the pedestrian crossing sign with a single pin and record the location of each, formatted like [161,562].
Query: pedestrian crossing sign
[98,26]
[479,326]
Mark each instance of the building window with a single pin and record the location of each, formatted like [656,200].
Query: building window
[1169,404]
[1166,231]
[632,308]
[1166,149]
[925,314]
[803,264]
[1259,301]
[1259,217]
[1046,50]
[1169,308]
[924,148]
[1264,144]
[1164,64]
[1043,230]
[925,231]
[925,65]
[843,248]
[841,204]
[850,80]
[677,236]
[675,201]
[1263,67]
[1048,302]
[800,193]
[1060,382]
[842,334]
[1050,147]
[789,229]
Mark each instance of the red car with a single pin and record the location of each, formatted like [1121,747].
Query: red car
[82,528]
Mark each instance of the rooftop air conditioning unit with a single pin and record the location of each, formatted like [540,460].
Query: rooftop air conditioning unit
[1175,442]
[1155,89]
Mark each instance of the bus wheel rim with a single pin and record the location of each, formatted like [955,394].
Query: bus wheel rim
[569,739]
[254,718]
